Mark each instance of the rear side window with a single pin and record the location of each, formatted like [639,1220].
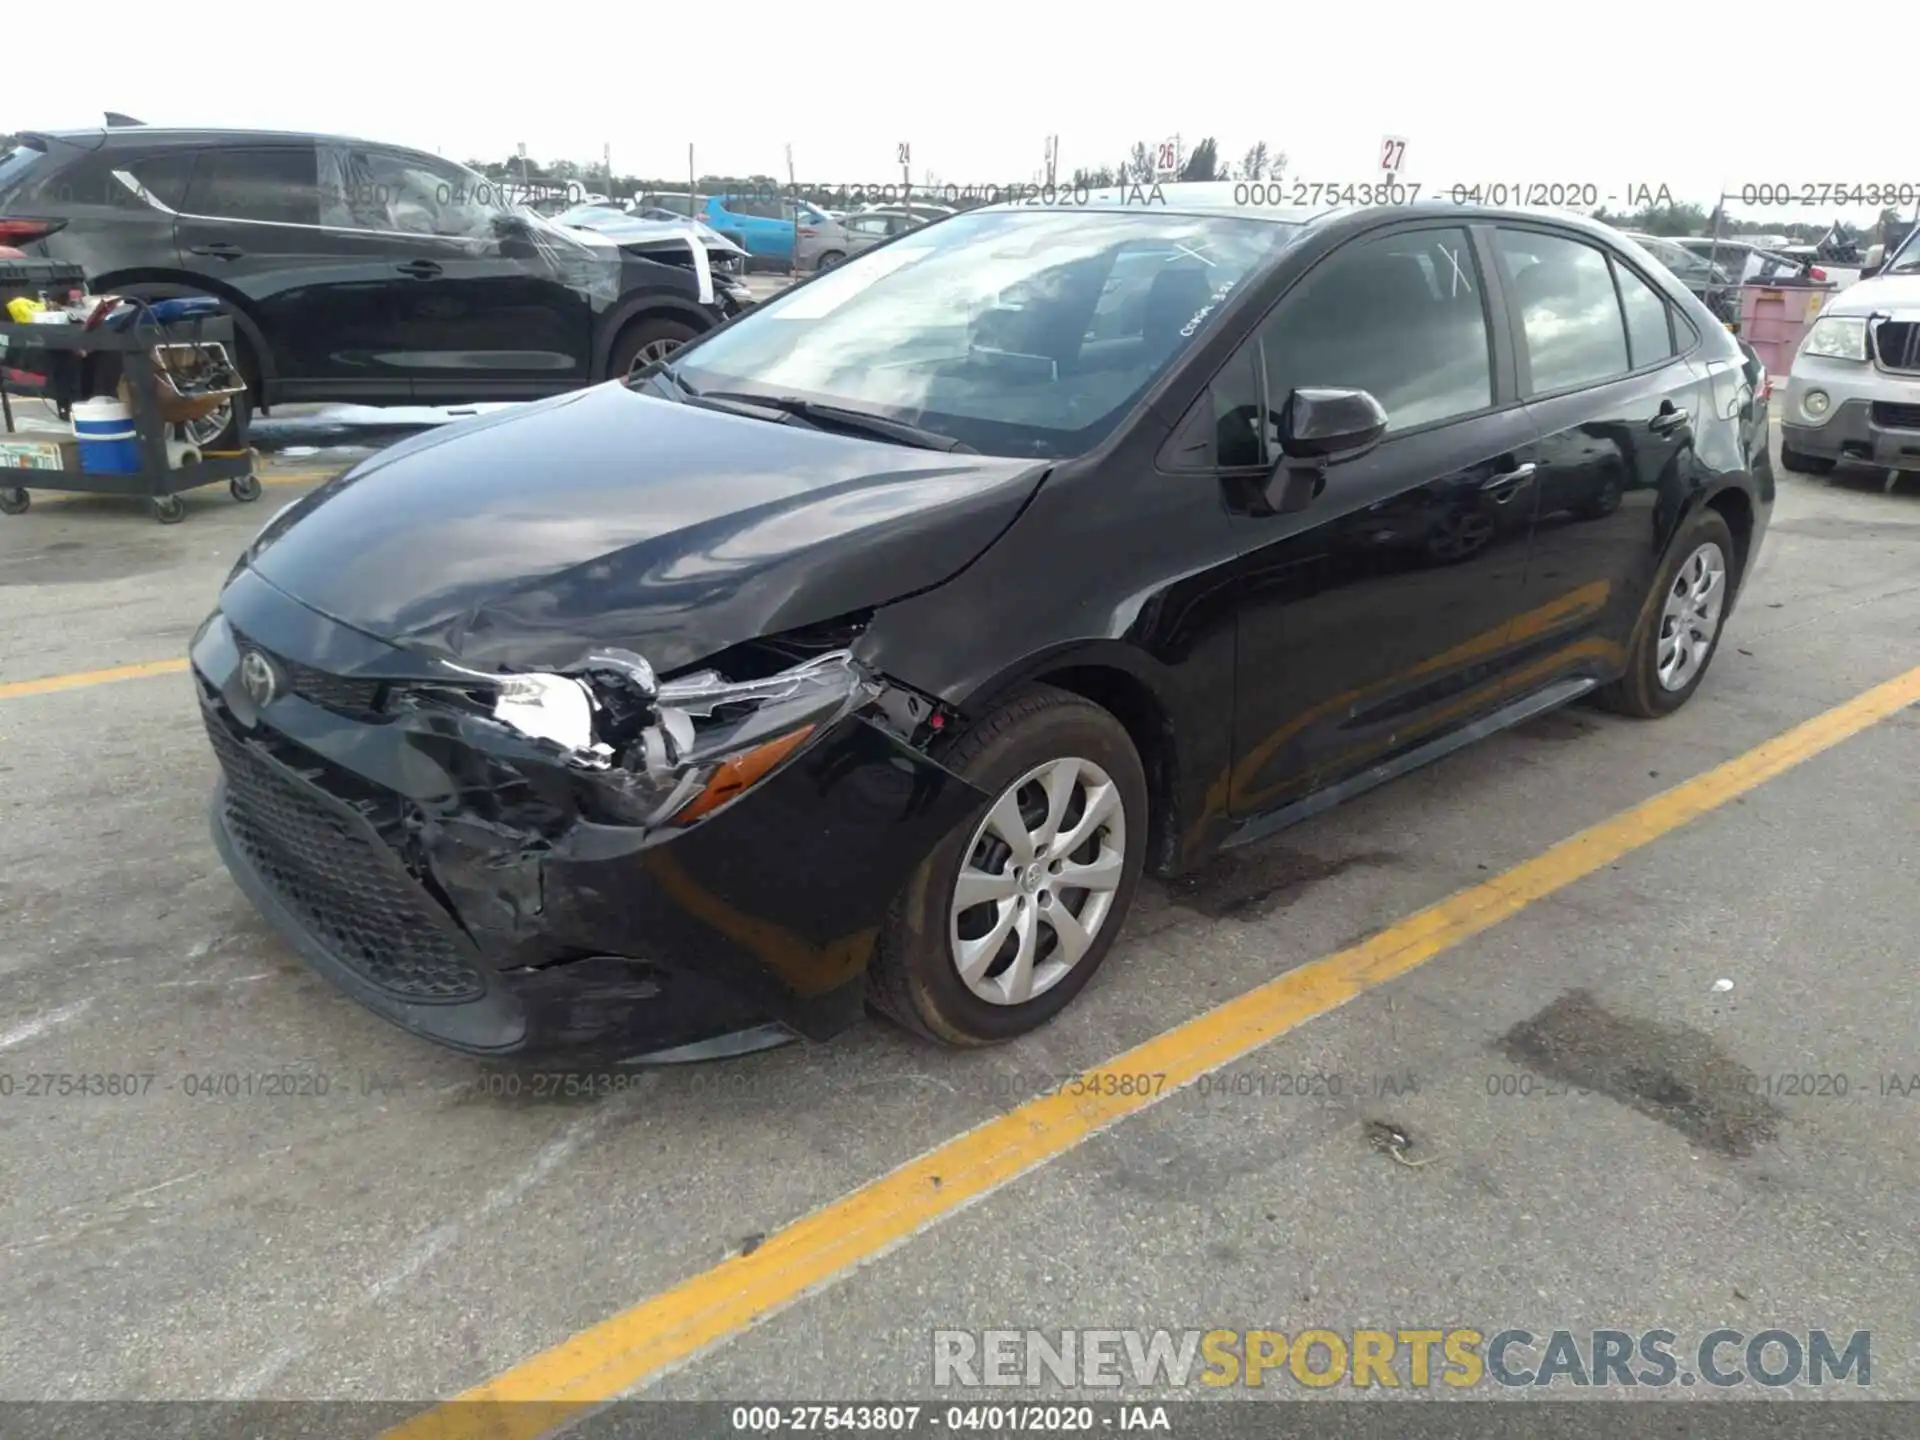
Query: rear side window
[1400,316]
[280,185]
[1575,334]
[1649,335]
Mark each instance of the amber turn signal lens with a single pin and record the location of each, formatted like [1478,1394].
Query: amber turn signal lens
[743,771]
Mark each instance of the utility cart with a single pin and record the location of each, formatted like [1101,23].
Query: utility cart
[167,369]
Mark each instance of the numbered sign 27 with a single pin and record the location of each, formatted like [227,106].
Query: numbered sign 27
[1393,153]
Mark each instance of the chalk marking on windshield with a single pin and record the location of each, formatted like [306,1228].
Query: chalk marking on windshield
[1184,250]
[1200,315]
[1459,275]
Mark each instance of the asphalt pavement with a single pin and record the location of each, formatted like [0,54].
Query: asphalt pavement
[1656,1097]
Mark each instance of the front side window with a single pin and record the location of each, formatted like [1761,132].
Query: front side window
[279,185]
[1400,316]
[1563,288]
[365,189]
[1016,332]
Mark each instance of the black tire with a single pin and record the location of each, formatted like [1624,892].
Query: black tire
[830,259]
[169,509]
[1792,459]
[913,979]
[632,342]
[14,500]
[1639,692]
[244,488]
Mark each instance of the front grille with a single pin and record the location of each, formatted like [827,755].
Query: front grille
[1891,416]
[1896,343]
[338,879]
[342,694]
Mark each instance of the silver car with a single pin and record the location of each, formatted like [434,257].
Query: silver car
[1854,390]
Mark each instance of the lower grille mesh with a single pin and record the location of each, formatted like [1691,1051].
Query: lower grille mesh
[323,868]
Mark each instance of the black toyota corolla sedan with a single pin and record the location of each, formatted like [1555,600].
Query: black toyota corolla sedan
[872,646]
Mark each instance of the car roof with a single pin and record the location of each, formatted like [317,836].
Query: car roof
[1124,203]
[155,136]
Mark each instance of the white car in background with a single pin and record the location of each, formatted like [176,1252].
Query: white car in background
[1853,392]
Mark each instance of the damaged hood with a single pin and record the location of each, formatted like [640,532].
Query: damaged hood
[609,517]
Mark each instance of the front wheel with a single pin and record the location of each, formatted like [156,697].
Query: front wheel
[644,342]
[1800,464]
[1009,917]
[1680,630]
[14,500]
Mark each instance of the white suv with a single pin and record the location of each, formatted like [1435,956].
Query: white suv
[1853,392]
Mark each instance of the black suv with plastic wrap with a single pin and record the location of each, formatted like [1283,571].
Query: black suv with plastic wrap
[872,647]
[357,271]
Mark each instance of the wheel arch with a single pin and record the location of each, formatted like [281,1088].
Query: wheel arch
[1735,506]
[637,310]
[1112,677]
[152,284]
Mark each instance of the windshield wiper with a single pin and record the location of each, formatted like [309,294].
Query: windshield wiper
[838,417]
[751,406]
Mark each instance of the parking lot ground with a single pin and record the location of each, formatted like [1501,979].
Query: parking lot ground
[424,1225]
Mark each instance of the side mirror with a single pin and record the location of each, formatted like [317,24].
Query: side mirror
[1330,424]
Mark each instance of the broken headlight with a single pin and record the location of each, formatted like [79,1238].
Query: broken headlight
[678,751]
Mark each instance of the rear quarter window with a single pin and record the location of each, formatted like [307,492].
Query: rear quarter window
[15,166]
[85,180]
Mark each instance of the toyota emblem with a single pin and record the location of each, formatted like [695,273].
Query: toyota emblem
[258,678]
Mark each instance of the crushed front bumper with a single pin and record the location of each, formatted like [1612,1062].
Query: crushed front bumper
[433,868]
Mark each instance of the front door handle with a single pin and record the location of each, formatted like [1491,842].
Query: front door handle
[1668,421]
[1509,483]
[419,269]
[219,250]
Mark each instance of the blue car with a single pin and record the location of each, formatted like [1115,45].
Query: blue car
[767,227]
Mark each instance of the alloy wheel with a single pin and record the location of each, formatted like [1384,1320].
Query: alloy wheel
[1039,881]
[1690,619]
[649,353]
[202,432]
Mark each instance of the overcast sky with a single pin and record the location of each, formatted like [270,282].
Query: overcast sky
[1616,97]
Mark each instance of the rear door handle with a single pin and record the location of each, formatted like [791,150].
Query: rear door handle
[219,250]
[1510,483]
[419,269]
[1668,421]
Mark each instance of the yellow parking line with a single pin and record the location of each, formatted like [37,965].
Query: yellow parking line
[636,1345]
[48,684]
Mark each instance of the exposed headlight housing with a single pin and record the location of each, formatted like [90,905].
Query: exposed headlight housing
[674,753]
[1837,337]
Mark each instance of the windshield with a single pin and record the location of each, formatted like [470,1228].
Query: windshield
[1027,333]
[590,215]
[1907,258]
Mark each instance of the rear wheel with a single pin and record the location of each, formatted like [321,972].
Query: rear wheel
[14,500]
[1011,914]
[829,260]
[645,341]
[1800,464]
[1681,629]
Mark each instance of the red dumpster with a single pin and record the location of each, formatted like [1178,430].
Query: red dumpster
[1774,319]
